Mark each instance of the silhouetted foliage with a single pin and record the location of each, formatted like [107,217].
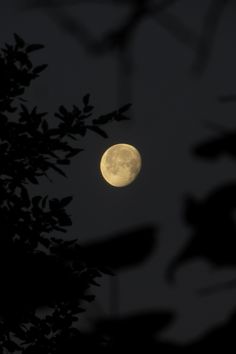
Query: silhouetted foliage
[210,219]
[121,37]
[227,98]
[135,332]
[213,224]
[134,246]
[220,146]
[43,281]
[216,340]
[210,27]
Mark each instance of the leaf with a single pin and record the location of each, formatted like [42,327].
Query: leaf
[36,200]
[58,170]
[63,162]
[59,229]
[34,110]
[39,68]
[32,179]
[76,110]
[89,298]
[125,108]
[86,99]
[45,242]
[25,196]
[20,91]
[106,271]
[65,201]
[93,282]
[54,204]
[63,110]
[24,109]
[22,99]
[44,201]
[19,41]
[45,126]
[82,131]
[98,131]
[88,109]
[80,310]
[210,218]
[227,98]
[59,116]
[65,220]
[11,346]
[11,109]
[72,137]
[121,117]
[34,47]
[103,119]
[74,152]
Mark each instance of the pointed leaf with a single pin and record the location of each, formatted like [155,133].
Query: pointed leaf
[88,109]
[121,117]
[24,109]
[58,170]
[19,41]
[32,179]
[74,152]
[103,119]
[45,126]
[125,108]
[36,200]
[86,99]
[98,131]
[63,110]
[44,201]
[39,68]
[63,162]
[34,47]
[65,201]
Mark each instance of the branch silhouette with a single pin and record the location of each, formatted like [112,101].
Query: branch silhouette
[211,24]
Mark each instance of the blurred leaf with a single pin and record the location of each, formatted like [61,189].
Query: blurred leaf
[54,167]
[86,99]
[33,47]
[125,108]
[74,152]
[32,179]
[36,200]
[40,68]
[103,119]
[63,110]
[98,131]
[45,126]
[63,162]
[19,41]
[88,109]
[44,200]
[65,201]
[121,117]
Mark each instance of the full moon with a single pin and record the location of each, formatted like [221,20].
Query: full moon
[120,164]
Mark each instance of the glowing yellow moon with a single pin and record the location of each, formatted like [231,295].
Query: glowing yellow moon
[120,164]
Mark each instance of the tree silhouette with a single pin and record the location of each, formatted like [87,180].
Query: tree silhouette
[44,279]
[212,220]
[48,272]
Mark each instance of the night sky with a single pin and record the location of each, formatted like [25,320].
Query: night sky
[174,96]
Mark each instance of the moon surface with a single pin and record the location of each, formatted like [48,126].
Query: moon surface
[120,164]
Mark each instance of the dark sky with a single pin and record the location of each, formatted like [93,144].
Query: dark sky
[171,105]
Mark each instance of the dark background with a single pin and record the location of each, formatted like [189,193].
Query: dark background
[174,83]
